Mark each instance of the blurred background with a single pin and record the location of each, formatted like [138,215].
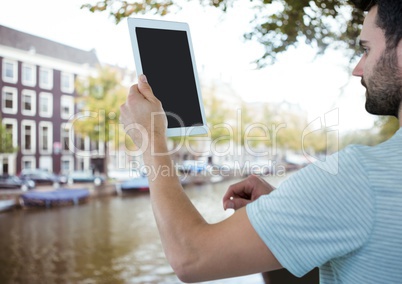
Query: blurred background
[278,94]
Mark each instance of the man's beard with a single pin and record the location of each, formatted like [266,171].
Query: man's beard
[384,86]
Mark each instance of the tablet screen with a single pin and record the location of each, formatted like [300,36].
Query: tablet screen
[166,61]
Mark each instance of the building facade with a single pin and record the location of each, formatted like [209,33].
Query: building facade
[37,101]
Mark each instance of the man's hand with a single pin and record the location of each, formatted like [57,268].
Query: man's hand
[246,191]
[142,114]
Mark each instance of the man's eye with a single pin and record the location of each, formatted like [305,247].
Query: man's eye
[363,51]
[366,50]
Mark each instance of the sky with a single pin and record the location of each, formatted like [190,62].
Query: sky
[319,85]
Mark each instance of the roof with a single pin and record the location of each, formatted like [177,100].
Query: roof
[27,42]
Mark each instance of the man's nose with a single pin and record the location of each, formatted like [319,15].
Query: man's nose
[358,70]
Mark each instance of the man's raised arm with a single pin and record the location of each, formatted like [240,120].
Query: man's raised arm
[196,250]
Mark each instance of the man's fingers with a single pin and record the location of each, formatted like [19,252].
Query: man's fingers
[144,88]
[235,203]
[234,189]
[242,189]
[133,90]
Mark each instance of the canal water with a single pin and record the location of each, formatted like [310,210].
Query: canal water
[107,240]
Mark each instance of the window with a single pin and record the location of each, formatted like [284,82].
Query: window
[66,107]
[67,83]
[28,134]
[67,137]
[27,137]
[28,101]
[45,137]
[11,126]
[46,78]
[67,164]
[45,104]
[46,163]
[10,71]
[5,168]
[81,142]
[28,162]
[9,100]
[28,75]
[95,145]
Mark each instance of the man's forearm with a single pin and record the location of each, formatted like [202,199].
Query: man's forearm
[177,219]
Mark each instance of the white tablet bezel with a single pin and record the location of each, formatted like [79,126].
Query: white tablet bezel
[133,23]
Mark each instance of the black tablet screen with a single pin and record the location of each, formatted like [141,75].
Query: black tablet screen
[166,61]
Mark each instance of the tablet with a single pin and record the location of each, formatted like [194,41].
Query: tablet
[163,52]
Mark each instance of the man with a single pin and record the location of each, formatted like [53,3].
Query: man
[348,224]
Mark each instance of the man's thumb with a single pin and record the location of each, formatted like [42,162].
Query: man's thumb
[143,79]
[144,87]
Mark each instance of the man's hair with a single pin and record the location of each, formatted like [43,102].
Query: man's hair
[364,5]
[389,18]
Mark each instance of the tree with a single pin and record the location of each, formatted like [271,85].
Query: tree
[99,100]
[216,116]
[388,125]
[278,24]
[244,119]
[6,145]
[367,137]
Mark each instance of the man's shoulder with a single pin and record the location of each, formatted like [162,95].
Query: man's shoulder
[380,153]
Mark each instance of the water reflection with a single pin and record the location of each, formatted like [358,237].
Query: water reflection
[110,240]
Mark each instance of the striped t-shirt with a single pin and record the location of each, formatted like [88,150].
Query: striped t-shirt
[343,215]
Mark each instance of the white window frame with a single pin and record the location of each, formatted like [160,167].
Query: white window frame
[83,163]
[31,82]
[68,102]
[85,141]
[14,78]
[49,84]
[46,163]
[32,94]
[49,113]
[32,124]
[70,160]
[70,136]
[67,82]
[10,160]
[14,130]
[14,93]
[49,125]
[25,159]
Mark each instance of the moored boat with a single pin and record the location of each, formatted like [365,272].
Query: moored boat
[59,197]
[134,185]
[7,204]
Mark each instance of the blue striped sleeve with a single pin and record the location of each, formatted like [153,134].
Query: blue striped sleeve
[322,212]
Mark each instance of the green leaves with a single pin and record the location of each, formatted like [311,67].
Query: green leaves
[101,97]
[6,145]
[122,9]
[318,23]
[278,24]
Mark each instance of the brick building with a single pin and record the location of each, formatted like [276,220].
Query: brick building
[37,88]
